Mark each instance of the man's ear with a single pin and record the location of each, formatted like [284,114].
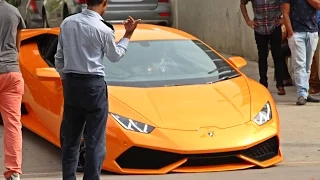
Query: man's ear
[105,3]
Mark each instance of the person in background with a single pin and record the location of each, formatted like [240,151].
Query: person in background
[84,39]
[314,81]
[285,53]
[300,19]
[11,88]
[314,76]
[267,29]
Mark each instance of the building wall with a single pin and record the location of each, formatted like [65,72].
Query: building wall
[219,23]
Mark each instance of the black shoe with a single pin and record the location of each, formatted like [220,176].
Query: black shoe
[301,101]
[281,91]
[264,84]
[312,99]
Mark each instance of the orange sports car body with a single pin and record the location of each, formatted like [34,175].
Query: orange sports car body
[175,105]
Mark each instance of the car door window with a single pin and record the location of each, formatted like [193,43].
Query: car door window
[47,45]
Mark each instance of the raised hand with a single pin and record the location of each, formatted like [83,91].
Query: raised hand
[130,24]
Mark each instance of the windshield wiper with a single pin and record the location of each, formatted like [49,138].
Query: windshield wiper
[220,68]
[224,78]
[168,85]
[211,82]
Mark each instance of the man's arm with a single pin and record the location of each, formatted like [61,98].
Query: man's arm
[21,26]
[18,39]
[59,60]
[115,51]
[314,3]
[284,34]
[245,15]
[286,18]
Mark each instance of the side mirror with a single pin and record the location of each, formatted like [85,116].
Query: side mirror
[47,74]
[238,62]
[14,3]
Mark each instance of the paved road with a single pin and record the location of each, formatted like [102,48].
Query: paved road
[300,143]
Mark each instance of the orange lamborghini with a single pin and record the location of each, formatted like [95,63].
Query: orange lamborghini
[175,105]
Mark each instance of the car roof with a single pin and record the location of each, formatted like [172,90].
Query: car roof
[143,32]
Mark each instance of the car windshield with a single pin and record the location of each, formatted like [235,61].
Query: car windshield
[167,63]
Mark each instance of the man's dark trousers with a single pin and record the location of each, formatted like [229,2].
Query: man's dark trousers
[85,104]
[285,52]
[263,41]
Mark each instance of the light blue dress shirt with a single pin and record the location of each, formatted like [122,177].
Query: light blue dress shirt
[83,42]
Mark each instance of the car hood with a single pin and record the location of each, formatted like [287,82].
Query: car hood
[223,104]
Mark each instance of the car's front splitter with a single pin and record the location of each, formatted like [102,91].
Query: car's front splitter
[147,154]
[138,160]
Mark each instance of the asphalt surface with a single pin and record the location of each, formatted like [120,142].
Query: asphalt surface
[299,142]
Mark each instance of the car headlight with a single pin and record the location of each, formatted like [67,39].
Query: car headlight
[264,115]
[132,125]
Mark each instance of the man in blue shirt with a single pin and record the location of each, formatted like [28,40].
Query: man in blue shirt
[83,42]
[300,19]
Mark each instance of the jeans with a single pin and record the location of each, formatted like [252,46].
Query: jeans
[262,42]
[85,104]
[303,46]
[11,91]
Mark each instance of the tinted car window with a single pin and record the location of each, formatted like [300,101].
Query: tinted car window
[165,63]
[47,45]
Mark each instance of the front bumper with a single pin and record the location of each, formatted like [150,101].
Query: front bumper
[165,151]
[156,160]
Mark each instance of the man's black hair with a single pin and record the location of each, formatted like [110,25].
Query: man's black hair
[94,2]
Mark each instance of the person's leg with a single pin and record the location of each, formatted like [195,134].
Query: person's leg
[286,75]
[298,47]
[314,76]
[11,91]
[263,52]
[71,128]
[279,61]
[317,56]
[96,105]
[311,46]
[314,79]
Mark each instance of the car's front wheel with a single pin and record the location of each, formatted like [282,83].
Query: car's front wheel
[1,121]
